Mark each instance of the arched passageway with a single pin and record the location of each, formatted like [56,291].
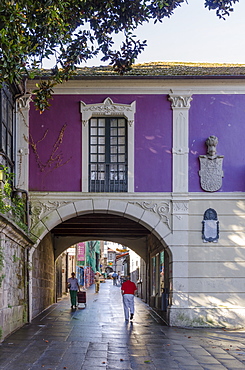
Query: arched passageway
[99,226]
[155,257]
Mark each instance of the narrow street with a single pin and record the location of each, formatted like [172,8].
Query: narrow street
[97,337]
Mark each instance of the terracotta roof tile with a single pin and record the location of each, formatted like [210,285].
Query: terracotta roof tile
[170,69]
[164,69]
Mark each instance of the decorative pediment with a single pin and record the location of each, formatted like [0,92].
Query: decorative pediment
[107,108]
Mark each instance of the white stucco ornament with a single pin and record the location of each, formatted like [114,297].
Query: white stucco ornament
[211,172]
[107,108]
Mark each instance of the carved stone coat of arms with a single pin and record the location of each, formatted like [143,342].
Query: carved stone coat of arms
[211,172]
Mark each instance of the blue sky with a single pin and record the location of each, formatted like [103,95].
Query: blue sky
[193,34]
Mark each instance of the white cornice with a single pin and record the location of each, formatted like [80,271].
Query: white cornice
[135,196]
[217,196]
[72,196]
[158,86]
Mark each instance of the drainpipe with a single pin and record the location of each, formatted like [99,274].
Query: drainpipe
[29,278]
[28,286]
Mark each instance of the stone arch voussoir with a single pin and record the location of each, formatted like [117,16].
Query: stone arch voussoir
[132,210]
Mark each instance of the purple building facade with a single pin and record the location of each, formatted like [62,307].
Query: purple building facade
[220,115]
[191,240]
[153,138]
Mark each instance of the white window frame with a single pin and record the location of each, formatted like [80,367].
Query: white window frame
[107,109]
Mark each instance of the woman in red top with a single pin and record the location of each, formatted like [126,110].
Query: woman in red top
[128,290]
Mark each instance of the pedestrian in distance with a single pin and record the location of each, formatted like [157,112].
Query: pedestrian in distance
[82,277]
[114,277]
[97,282]
[118,279]
[122,279]
[72,284]
[128,290]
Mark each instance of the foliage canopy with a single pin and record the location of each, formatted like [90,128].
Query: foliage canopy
[73,31]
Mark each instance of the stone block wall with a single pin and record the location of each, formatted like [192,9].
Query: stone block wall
[209,277]
[13,277]
[43,276]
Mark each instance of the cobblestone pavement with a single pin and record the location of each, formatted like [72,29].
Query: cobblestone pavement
[97,337]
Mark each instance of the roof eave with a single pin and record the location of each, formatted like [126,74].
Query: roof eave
[162,77]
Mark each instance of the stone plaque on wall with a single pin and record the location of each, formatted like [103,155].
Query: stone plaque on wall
[210,226]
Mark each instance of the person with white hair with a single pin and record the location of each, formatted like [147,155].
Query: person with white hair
[128,290]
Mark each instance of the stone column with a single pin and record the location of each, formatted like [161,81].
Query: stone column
[180,207]
[180,106]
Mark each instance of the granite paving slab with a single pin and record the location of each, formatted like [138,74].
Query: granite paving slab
[97,337]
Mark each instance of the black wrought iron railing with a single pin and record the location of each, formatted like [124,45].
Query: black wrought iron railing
[108,178]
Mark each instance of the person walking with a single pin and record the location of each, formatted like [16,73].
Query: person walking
[72,284]
[128,290]
[114,277]
[97,282]
[82,276]
[118,279]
